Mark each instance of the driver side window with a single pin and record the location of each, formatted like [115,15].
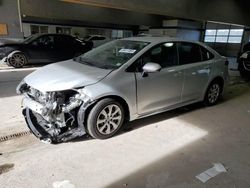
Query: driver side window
[44,41]
[164,54]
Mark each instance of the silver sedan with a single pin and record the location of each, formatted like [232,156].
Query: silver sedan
[122,80]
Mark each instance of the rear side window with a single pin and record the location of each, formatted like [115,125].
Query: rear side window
[46,40]
[64,40]
[206,55]
[189,53]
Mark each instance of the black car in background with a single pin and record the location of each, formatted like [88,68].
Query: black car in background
[244,61]
[42,48]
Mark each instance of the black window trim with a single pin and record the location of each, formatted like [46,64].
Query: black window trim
[193,43]
[210,53]
[178,43]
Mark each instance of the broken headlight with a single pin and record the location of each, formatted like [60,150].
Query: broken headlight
[21,88]
[76,100]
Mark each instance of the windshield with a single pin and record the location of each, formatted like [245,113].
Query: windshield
[112,55]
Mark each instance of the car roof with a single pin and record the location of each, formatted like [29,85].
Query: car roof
[96,36]
[157,39]
[53,34]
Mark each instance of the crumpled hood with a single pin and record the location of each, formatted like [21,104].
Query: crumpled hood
[65,75]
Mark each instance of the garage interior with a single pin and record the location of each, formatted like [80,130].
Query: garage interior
[165,150]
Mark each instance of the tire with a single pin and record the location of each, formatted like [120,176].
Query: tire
[243,72]
[77,54]
[213,93]
[17,60]
[101,122]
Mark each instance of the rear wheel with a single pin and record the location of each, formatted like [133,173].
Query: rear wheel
[105,119]
[17,60]
[213,93]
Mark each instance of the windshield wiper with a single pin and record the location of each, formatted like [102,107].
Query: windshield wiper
[84,61]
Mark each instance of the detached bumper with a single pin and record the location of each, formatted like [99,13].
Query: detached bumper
[52,117]
[43,134]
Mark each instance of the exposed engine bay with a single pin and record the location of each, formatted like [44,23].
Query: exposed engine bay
[54,116]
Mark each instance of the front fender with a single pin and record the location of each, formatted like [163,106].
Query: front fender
[94,94]
[13,52]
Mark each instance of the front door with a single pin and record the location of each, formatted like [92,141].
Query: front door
[42,49]
[160,90]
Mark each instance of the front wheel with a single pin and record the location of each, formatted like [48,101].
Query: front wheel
[105,119]
[213,93]
[17,60]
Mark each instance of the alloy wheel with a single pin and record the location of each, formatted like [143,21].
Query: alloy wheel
[109,119]
[213,93]
[17,60]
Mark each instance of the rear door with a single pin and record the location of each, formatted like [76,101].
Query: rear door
[196,64]
[66,47]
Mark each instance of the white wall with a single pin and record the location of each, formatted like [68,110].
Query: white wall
[26,30]
[80,31]
[52,29]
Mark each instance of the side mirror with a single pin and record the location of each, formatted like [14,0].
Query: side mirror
[151,67]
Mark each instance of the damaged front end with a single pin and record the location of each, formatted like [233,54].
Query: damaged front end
[54,116]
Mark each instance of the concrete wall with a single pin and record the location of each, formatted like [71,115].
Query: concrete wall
[58,10]
[187,30]
[9,15]
[230,11]
[163,32]
[185,34]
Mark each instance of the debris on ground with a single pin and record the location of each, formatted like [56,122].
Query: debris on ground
[63,184]
[6,168]
[46,141]
[211,172]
